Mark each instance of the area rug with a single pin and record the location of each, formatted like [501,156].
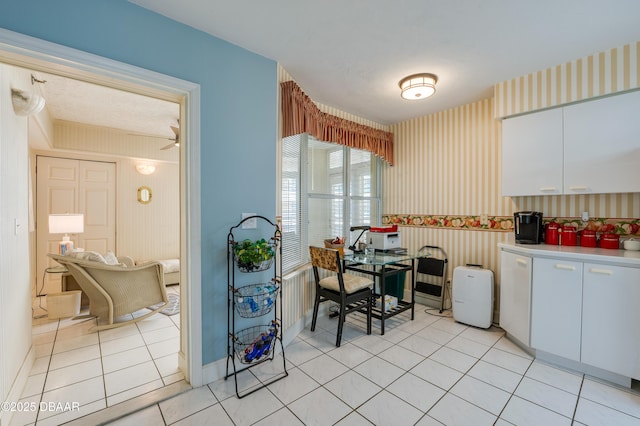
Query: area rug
[174,305]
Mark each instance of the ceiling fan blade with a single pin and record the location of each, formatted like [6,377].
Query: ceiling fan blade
[171,145]
[176,131]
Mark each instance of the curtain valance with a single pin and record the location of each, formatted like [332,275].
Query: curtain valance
[301,115]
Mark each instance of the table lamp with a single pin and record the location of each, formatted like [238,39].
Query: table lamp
[66,224]
[364,228]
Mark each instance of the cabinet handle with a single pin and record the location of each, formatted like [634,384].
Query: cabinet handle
[565,267]
[548,189]
[521,262]
[578,188]
[601,271]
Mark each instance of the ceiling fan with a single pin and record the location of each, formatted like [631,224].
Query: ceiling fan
[176,140]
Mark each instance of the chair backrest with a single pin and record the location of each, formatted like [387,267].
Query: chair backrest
[325,258]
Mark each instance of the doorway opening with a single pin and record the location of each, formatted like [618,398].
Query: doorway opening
[47,58]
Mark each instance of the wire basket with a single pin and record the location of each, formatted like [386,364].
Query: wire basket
[256,299]
[254,267]
[255,343]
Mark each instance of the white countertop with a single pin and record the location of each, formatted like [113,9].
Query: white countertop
[582,254]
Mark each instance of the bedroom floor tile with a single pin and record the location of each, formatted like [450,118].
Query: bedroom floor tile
[98,369]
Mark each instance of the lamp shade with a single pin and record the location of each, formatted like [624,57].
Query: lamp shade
[66,223]
[418,86]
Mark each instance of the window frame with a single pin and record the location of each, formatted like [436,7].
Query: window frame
[304,197]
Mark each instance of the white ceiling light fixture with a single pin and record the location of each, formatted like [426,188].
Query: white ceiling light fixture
[25,103]
[418,86]
[145,168]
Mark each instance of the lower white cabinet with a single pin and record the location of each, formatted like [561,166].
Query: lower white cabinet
[556,307]
[611,318]
[515,291]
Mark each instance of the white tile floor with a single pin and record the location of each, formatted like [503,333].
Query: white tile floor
[98,369]
[429,371]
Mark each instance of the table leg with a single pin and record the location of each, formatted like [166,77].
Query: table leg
[413,288]
[382,307]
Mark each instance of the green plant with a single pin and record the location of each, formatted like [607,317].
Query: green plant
[251,255]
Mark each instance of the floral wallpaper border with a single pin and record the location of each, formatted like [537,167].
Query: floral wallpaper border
[505,223]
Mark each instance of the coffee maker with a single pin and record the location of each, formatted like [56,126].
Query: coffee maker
[528,227]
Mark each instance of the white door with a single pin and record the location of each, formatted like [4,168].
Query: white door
[532,154]
[73,186]
[610,318]
[515,294]
[556,307]
[602,145]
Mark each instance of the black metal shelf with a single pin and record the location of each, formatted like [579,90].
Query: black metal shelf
[252,344]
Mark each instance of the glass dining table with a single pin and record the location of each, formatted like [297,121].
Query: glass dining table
[382,265]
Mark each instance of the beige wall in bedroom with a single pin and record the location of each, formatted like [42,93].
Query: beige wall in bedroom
[143,231]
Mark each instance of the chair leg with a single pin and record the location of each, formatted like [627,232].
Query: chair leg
[341,319]
[316,306]
[369,302]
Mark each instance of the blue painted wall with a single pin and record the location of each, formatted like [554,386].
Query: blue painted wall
[238,91]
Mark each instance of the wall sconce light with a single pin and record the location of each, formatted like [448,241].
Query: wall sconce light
[418,86]
[25,103]
[145,169]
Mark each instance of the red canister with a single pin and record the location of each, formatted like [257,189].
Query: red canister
[610,241]
[568,236]
[551,233]
[588,238]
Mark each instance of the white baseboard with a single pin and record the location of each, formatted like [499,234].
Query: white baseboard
[18,385]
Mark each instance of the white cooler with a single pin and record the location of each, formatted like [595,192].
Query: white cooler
[472,296]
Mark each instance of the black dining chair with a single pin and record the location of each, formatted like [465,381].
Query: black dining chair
[350,292]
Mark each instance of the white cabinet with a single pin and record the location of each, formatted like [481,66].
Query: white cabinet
[515,293]
[586,148]
[602,145]
[532,154]
[611,318]
[556,307]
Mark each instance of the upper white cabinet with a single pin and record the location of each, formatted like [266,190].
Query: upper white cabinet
[587,148]
[602,145]
[532,154]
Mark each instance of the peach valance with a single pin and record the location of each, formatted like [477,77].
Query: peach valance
[301,115]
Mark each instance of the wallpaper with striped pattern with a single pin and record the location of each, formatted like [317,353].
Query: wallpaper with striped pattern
[603,73]
[448,163]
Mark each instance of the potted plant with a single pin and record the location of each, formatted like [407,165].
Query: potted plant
[253,256]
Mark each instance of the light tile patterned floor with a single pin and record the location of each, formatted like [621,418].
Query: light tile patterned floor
[429,371]
[98,369]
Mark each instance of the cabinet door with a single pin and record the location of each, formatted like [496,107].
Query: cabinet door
[556,305]
[610,319]
[602,145]
[515,293]
[532,154]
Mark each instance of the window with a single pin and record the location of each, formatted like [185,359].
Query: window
[322,197]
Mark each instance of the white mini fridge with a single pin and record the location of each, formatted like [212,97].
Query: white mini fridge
[473,296]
